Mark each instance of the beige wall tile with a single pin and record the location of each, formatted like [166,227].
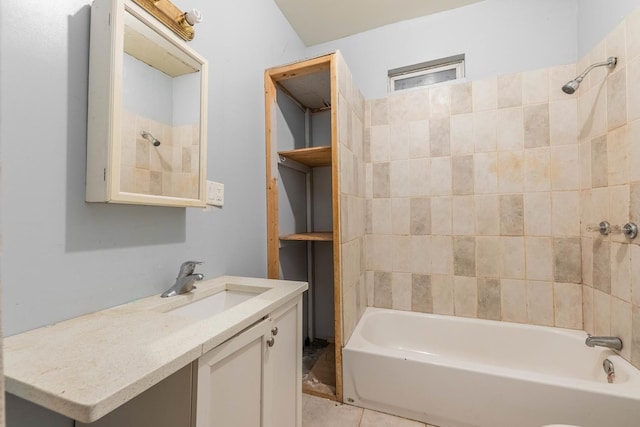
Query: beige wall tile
[142,153]
[399,178]
[401,253]
[634,202]
[535,87]
[401,291]
[568,305]
[584,153]
[510,171]
[537,214]
[510,129]
[464,256]
[465,296]
[632,29]
[633,90]
[369,283]
[485,94]
[599,162]
[537,174]
[512,258]
[142,180]
[539,257]
[485,131]
[587,309]
[440,137]
[379,145]
[587,261]
[441,255]
[536,125]
[440,101]
[418,105]
[380,214]
[421,297]
[463,174]
[420,214]
[635,327]
[381,180]
[565,167]
[440,176]
[617,98]
[379,112]
[602,265]
[399,107]
[565,213]
[621,271]
[567,259]
[441,215]
[399,135]
[419,177]
[488,256]
[514,300]
[510,90]
[486,173]
[601,313]
[400,215]
[616,44]
[461,98]
[464,215]
[540,310]
[635,274]
[634,150]
[421,254]
[621,324]
[563,122]
[419,144]
[618,155]
[599,204]
[378,253]
[442,293]
[489,299]
[487,215]
[382,290]
[462,134]
[512,215]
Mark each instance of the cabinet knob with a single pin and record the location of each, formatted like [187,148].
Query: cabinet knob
[271,341]
[274,331]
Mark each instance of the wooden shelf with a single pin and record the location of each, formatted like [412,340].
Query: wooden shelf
[313,237]
[312,157]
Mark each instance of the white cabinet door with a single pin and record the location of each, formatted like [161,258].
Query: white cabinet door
[230,381]
[283,382]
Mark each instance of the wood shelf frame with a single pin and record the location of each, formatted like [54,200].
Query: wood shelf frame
[312,156]
[309,237]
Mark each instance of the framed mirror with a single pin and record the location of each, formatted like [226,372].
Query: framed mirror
[147,111]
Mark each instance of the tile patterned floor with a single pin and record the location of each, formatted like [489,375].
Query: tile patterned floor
[318,412]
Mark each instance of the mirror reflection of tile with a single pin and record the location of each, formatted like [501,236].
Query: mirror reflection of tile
[170,169]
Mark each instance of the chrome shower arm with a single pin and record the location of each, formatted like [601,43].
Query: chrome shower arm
[610,63]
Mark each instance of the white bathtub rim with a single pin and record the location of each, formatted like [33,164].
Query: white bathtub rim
[627,389]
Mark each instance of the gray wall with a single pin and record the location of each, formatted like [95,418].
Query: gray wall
[597,17]
[497,37]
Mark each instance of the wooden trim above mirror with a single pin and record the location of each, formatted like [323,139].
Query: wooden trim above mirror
[170,15]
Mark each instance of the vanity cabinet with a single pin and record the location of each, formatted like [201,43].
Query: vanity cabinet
[254,379]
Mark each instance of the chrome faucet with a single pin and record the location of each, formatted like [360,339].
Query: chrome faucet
[185,280]
[609,342]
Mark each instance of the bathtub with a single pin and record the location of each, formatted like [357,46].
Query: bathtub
[458,372]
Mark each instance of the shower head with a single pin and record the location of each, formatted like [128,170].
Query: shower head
[573,85]
[146,135]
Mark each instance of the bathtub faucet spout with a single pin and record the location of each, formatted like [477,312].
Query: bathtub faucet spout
[609,342]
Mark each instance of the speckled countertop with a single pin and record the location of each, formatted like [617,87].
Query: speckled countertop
[86,367]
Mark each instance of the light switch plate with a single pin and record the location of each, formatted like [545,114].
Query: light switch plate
[215,193]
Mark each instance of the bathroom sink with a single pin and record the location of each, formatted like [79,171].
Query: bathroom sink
[215,304]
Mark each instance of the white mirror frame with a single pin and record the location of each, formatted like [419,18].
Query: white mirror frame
[105,113]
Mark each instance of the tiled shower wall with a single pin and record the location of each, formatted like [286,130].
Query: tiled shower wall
[352,197]
[479,195]
[473,200]
[171,169]
[609,135]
